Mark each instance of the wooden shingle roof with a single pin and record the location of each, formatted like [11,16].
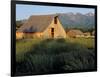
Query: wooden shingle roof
[36,23]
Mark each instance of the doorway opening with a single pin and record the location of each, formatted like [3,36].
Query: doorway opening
[52,32]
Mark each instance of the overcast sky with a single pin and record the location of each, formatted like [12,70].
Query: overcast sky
[24,11]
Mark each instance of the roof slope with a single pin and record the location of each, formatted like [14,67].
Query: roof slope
[36,23]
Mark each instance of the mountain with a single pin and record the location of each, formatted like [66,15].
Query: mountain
[78,20]
[89,14]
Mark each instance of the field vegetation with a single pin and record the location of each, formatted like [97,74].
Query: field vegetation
[44,56]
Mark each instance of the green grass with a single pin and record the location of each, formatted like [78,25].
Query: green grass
[54,55]
[88,42]
[24,46]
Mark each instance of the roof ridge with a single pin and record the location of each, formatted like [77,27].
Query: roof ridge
[55,14]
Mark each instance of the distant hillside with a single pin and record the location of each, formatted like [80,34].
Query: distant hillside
[78,20]
[20,22]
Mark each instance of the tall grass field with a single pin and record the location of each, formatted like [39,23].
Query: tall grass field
[45,56]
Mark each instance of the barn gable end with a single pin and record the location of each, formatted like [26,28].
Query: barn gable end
[59,31]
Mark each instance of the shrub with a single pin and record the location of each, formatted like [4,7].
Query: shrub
[38,64]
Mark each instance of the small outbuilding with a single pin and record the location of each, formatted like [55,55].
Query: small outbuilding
[75,33]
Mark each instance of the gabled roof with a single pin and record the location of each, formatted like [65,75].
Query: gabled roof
[36,23]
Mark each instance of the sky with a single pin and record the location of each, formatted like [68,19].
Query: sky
[25,11]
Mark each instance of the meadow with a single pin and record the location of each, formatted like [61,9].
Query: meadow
[44,56]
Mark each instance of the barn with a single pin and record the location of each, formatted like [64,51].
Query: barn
[41,26]
[75,33]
